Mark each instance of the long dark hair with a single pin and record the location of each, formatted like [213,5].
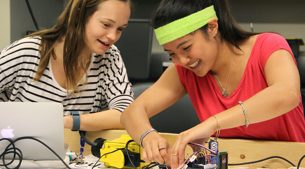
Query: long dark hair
[171,10]
[71,25]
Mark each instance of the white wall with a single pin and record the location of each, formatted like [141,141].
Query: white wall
[5,26]
[288,30]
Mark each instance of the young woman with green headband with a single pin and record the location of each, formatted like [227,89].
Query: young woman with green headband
[242,84]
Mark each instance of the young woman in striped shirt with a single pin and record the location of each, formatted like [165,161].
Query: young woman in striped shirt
[74,63]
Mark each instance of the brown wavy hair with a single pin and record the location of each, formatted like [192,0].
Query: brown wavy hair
[71,26]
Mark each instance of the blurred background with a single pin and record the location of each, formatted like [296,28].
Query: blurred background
[144,58]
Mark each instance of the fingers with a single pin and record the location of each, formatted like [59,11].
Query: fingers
[178,151]
[177,158]
[162,152]
[155,148]
[174,160]
[153,153]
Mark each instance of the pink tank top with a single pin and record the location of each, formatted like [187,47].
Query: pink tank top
[207,99]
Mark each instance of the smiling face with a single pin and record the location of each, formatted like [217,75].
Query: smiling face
[105,26]
[196,51]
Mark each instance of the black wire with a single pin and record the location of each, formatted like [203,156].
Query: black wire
[128,155]
[264,159]
[95,164]
[31,13]
[300,161]
[154,164]
[11,149]
[126,148]
[106,154]
[15,151]
[83,135]
[151,165]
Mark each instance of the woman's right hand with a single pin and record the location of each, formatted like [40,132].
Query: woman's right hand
[155,149]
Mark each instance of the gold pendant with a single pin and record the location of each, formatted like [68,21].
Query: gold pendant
[225,93]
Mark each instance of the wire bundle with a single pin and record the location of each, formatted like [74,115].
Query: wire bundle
[11,149]
[16,153]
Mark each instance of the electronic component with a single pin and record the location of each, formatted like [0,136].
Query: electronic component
[122,152]
[202,162]
[213,146]
[207,158]
[222,160]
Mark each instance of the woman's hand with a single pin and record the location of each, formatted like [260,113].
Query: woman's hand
[198,134]
[156,149]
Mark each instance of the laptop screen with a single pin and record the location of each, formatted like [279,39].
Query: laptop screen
[43,121]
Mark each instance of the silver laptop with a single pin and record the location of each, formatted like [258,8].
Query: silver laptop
[43,121]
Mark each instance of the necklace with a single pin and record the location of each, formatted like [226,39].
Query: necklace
[224,91]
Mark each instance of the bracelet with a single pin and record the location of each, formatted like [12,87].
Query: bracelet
[217,127]
[76,121]
[244,111]
[143,135]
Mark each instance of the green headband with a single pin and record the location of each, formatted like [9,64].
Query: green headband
[185,25]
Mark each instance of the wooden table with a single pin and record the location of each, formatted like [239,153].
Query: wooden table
[238,150]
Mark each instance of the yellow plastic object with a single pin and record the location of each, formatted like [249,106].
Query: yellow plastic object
[112,154]
[114,158]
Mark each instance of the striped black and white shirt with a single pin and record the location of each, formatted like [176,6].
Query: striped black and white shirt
[106,87]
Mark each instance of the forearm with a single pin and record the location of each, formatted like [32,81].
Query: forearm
[267,104]
[109,119]
[135,120]
[163,93]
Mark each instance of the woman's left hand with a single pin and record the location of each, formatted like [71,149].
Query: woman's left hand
[198,134]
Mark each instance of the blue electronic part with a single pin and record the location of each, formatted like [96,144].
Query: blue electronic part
[213,146]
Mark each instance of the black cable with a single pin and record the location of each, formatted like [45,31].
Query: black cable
[83,135]
[154,164]
[127,152]
[300,161]
[128,155]
[106,154]
[125,148]
[151,165]
[15,151]
[31,13]
[261,160]
[11,149]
